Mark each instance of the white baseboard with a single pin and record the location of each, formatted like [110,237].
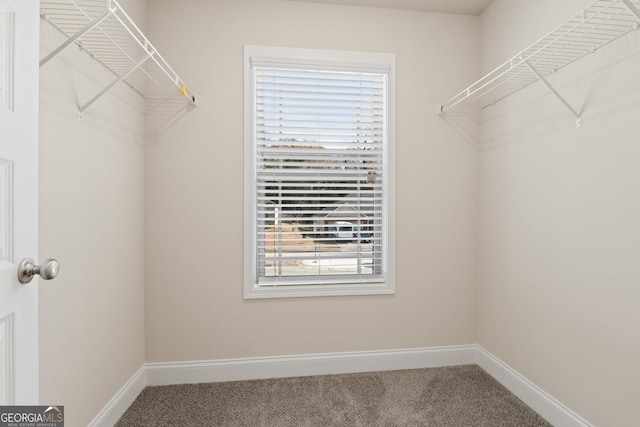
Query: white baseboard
[117,406]
[153,374]
[540,401]
[304,365]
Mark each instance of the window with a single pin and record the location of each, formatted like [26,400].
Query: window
[319,131]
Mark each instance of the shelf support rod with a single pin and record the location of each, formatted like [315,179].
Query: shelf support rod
[634,10]
[555,92]
[90,26]
[116,81]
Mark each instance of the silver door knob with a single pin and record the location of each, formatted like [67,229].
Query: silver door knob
[47,270]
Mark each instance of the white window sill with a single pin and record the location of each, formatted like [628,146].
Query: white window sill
[305,291]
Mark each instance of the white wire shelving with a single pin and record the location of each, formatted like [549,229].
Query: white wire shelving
[592,28]
[103,29]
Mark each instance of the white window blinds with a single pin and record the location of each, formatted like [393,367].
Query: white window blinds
[320,142]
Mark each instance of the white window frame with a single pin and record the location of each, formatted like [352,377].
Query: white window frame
[324,59]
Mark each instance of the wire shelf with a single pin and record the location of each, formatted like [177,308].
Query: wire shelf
[592,28]
[104,30]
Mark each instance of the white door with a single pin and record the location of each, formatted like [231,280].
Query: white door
[19,29]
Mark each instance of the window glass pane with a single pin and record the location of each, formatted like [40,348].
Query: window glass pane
[320,151]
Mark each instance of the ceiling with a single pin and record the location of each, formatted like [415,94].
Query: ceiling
[464,7]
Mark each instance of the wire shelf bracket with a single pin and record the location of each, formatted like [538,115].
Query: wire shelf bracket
[103,29]
[555,93]
[592,28]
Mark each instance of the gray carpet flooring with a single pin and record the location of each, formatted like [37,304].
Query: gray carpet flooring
[452,396]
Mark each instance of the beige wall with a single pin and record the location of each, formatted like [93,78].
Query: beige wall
[91,220]
[194,185]
[558,220]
